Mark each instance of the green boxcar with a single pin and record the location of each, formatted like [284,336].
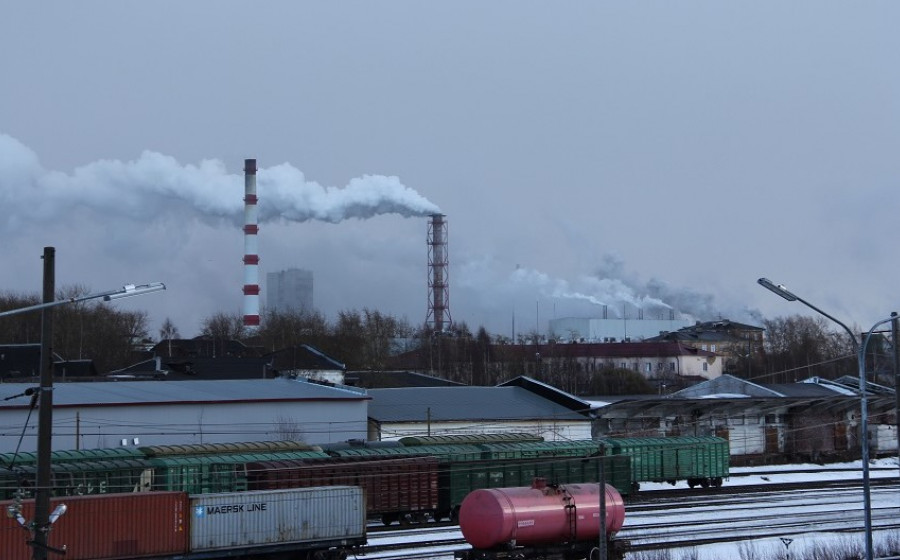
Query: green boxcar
[78,479]
[458,478]
[72,456]
[205,474]
[468,439]
[698,460]
[236,448]
[453,452]
[535,450]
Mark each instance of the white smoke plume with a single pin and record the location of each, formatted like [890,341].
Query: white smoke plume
[612,293]
[148,186]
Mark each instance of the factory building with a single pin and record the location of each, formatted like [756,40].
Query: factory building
[578,329]
[290,290]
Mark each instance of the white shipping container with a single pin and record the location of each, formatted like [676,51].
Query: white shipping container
[329,514]
[882,438]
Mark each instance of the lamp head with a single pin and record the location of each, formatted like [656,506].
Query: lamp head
[777,289]
[58,512]
[133,290]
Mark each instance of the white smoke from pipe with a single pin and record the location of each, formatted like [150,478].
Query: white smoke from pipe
[156,185]
[611,292]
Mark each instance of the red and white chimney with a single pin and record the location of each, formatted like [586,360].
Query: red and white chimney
[251,248]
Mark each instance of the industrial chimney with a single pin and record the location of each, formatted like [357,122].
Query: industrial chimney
[438,276]
[251,252]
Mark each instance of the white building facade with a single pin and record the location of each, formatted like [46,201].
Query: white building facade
[139,413]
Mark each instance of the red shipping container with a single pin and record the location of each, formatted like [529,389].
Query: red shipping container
[105,527]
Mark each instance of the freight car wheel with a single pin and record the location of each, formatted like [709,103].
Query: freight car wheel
[454,514]
[704,483]
[717,482]
[388,518]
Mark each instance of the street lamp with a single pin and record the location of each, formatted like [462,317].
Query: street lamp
[128,290]
[43,518]
[864,407]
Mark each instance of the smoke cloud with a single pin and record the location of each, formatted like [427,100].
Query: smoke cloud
[607,289]
[612,293]
[155,185]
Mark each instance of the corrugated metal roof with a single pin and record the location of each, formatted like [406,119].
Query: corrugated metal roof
[173,392]
[416,404]
[802,390]
[395,379]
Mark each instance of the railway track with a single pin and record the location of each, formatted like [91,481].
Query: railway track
[780,510]
[668,519]
[683,497]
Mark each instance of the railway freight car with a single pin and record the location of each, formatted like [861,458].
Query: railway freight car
[203,473]
[471,462]
[701,461]
[541,521]
[464,464]
[458,479]
[316,523]
[403,489]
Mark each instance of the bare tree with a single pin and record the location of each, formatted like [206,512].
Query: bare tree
[799,346]
[84,330]
[224,326]
[168,330]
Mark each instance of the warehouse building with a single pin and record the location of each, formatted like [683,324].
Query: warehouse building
[139,413]
[521,405]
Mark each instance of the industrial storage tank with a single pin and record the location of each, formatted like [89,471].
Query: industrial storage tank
[538,515]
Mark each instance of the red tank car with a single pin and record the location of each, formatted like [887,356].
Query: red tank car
[540,515]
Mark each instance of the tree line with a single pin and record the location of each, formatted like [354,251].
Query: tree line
[84,330]
[794,347]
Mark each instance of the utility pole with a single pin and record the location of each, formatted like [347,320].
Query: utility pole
[45,412]
[43,518]
[895,340]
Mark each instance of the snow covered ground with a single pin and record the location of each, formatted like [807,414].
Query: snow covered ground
[768,546]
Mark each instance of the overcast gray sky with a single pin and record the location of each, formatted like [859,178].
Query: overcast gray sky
[582,152]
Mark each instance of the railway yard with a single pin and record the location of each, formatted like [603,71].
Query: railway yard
[527,499]
[757,506]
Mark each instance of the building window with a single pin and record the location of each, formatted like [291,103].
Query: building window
[703,347]
[705,366]
[623,365]
[649,367]
[671,366]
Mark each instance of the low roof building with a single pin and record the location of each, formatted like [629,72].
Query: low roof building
[138,413]
[395,379]
[521,405]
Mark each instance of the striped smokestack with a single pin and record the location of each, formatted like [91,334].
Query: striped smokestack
[251,251]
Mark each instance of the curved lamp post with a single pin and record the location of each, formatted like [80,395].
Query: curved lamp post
[864,407]
[43,518]
[123,292]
